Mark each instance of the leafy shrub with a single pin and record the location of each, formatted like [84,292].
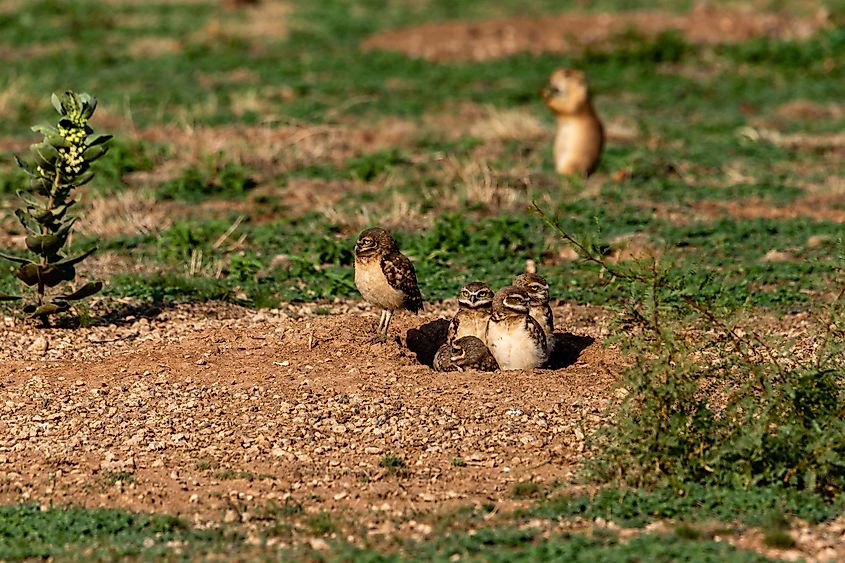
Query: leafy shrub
[709,400]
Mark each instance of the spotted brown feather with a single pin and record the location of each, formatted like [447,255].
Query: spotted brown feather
[401,276]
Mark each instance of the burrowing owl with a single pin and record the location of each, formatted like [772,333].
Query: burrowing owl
[467,352]
[580,135]
[539,308]
[384,276]
[514,338]
[474,305]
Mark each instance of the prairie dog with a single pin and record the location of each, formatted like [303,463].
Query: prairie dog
[580,135]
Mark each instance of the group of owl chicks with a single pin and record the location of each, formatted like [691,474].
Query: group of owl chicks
[512,328]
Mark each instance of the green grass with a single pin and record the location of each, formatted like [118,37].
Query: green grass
[690,503]
[690,107]
[318,64]
[28,532]
[522,545]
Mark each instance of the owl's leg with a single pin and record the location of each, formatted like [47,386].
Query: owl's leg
[386,315]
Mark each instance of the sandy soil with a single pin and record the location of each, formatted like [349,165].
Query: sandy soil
[177,401]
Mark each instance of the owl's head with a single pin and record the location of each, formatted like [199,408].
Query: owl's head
[475,295]
[468,351]
[536,286]
[509,300]
[375,242]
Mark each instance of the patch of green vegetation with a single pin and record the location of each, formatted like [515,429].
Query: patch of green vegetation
[321,524]
[109,478]
[776,532]
[125,156]
[12,178]
[394,465]
[27,531]
[229,474]
[213,178]
[779,422]
[526,489]
[690,503]
[524,545]
[370,166]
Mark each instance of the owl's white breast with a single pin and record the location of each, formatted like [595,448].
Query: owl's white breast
[472,323]
[512,345]
[373,285]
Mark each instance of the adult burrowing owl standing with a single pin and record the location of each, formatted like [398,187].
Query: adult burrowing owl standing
[514,338]
[467,352]
[384,276]
[580,135]
[539,308]
[475,303]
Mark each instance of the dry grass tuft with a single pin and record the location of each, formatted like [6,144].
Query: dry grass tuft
[508,124]
[153,46]
[800,141]
[474,181]
[262,22]
[124,213]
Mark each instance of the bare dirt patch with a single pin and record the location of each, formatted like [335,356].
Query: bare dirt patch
[829,207]
[191,409]
[572,32]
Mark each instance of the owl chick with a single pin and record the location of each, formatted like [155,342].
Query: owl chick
[384,276]
[580,134]
[467,352]
[539,308]
[514,338]
[474,305]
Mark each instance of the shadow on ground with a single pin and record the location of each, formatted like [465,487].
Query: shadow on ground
[425,340]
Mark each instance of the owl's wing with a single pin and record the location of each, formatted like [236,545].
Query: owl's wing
[443,359]
[401,276]
[453,328]
[489,363]
[537,333]
[550,318]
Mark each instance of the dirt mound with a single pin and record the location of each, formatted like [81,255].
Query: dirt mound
[196,409]
[572,32]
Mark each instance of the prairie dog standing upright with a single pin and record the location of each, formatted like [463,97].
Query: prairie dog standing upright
[580,135]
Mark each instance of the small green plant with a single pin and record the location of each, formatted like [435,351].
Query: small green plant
[394,465]
[458,462]
[229,474]
[391,462]
[776,531]
[321,524]
[56,166]
[525,489]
